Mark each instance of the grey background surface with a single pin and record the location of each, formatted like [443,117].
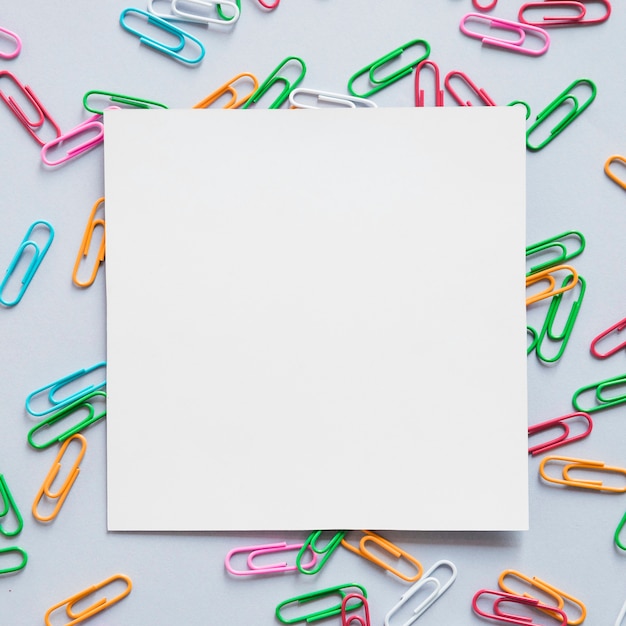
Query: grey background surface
[70,48]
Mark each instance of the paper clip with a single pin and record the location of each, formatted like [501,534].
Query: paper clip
[98,606]
[576,110]
[9,506]
[337,99]
[260,550]
[558,243]
[581,464]
[35,125]
[55,386]
[510,618]
[372,68]
[226,17]
[521,103]
[81,403]
[199,18]
[419,93]
[575,19]
[93,124]
[616,328]
[620,621]
[270,6]
[228,88]
[481,93]
[315,595]
[14,568]
[601,401]
[618,530]
[85,244]
[63,491]
[547,330]
[558,595]
[514,45]
[552,289]
[139,103]
[361,620]
[172,51]
[616,158]
[480,7]
[326,551]
[274,78]
[389,547]
[38,255]
[563,438]
[437,592]
[18,44]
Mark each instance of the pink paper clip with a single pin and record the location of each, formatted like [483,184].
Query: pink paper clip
[32,126]
[479,7]
[260,550]
[616,328]
[87,127]
[268,5]
[517,27]
[575,19]
[347,618]
[18,44]
[510,618]
[481,93]
[563,438]
[419,93]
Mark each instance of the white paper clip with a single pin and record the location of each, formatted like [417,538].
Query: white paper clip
[338,99]
[621,618]
[200,16]
[439,589]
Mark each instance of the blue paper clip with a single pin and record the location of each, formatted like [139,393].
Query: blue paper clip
[172,51]
[9,506]
[273,78]
[38,255]
[575,111]
[81,403]
[13,568]
[54,387]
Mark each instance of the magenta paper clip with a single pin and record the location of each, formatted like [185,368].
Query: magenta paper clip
[481,93]
[616,328]
[33,126]
[560,18]
[18,44]
[510,618]
[563,438]
[518,28]
[347,619]
[260,550]
[488,7]
[419,93]
[88,127]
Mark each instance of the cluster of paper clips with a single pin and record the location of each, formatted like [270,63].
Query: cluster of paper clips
[349,600]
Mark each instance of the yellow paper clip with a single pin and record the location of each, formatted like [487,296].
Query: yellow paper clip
[556,594]
[389,547]
[96,607]
[228,88]
[581,464]
[62,492]
[616,158]
[552,289]
[85,244]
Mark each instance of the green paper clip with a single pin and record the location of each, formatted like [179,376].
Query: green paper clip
[9,505]
[602,402]
[13,568]
[618,530]
[139,103]
[327,550]
[273,78]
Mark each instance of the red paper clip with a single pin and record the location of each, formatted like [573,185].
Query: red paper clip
[269,6]
[561,439]
[361,620]
[510,618]
[481,93]
[615,328]
[490,6]
[419,93]
[576,19]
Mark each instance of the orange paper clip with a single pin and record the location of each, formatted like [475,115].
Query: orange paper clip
[552,289]
[99,605]
[396,552]
[228,88]
[85,244]
[616,158]
[61,493]
[581,464]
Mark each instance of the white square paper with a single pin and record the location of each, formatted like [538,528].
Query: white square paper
[316,319]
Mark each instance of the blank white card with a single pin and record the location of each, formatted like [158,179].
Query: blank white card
[316,319]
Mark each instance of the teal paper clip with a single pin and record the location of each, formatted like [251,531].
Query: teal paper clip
[547,330]
[557,242]
[8,507]
[618,542]
[602,402]
[275,77]
[13,568]
[372,68]
[327,550]
[81,403]
[54,387]
[561,99]
[38,255]
[139,103]
[172,51]
[316,595]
